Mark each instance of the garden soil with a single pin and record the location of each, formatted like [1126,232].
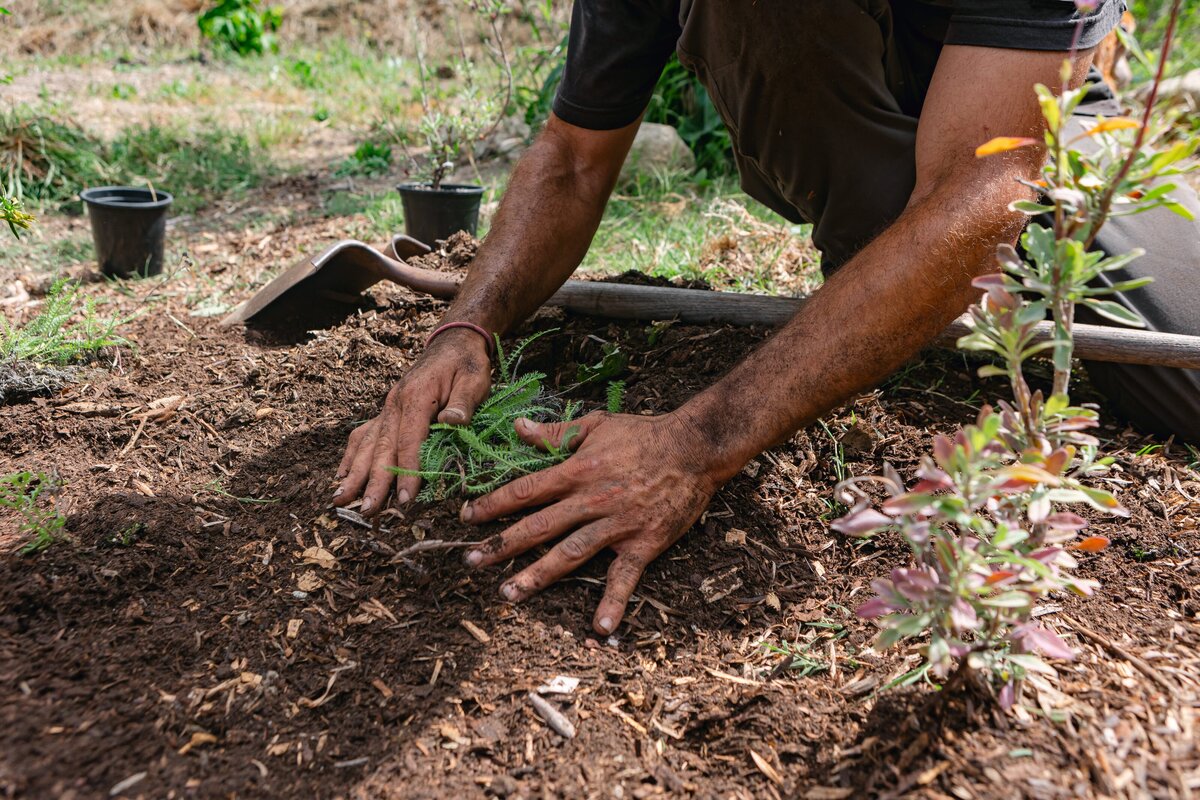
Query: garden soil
[209,627]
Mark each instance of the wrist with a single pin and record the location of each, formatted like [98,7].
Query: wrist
[463,340]
[713,446]
[463,335]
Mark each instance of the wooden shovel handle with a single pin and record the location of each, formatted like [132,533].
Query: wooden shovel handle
[693,306]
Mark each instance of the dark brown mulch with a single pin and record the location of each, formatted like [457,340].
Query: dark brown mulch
[210,626]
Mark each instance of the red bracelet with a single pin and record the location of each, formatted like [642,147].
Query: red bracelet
[471,326]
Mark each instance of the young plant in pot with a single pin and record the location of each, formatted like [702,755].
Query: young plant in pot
[433,208]
[448,131]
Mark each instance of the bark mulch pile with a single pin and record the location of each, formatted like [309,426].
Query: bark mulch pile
[210,628]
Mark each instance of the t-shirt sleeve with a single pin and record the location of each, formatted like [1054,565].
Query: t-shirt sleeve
[615,54]
[1031,24]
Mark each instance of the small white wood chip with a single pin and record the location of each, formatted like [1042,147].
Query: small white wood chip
[559,684]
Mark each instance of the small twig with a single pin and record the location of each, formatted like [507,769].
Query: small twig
[136,435]
[355,518]
[429,546]
[1116,649]
[553,717]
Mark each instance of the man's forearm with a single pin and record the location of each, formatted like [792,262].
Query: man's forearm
[868,319]
[542,230]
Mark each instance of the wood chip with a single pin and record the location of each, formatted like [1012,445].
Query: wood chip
[628,720]
[828,793]
[198,739]
[293,628]
[766,768]
[324,698]
[725,676]
[310,582]
[553,717]
[87,409]
[321,557]
[735,536]
[479,633]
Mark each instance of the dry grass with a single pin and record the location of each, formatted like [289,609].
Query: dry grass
[91,27]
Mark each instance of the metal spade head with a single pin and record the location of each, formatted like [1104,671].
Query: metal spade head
[336,277]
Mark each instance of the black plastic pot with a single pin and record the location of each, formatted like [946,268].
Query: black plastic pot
[128,226]
[431,214]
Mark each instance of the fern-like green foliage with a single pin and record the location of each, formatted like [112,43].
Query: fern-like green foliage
[615,397]
[486,453]
[52,338]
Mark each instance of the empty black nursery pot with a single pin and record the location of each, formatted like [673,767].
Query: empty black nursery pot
[431,214]
[128,225]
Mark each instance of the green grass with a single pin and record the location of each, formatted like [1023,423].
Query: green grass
[49,160]
[22,492]
[46,159]
[1152,24]
[665,224]
[196,165]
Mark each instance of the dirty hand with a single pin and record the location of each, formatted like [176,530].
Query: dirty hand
[634,485]
[448,382]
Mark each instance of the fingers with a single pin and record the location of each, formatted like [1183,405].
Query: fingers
[535,489]
[555,434]
[623,576]
[398,445]
[529,532]
[356,464]
[467,392]
[563,559]
[352,446]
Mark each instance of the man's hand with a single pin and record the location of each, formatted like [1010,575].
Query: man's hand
[634,485]
[448,383]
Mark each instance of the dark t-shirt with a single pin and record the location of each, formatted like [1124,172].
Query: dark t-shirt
[617,48]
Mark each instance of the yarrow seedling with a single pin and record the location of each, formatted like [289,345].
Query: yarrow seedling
[486,453]
[40,355]
[991,521]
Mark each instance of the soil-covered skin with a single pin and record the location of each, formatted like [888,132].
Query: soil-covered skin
[210,628]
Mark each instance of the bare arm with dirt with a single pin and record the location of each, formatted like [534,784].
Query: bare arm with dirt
[542,230]
[635,484]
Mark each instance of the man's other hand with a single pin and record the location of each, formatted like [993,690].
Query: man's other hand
[634,485]
[448,382]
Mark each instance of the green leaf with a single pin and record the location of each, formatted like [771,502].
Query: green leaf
[1160,161]
[1032,663]
[1008,600]
[1007,537]
[1029,207]
[1114,311]
[1179,209]
[1049,103]
[1100,498]
[992,371]
[1121,286]
[612,364]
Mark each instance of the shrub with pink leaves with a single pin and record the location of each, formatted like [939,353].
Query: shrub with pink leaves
[993,517]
